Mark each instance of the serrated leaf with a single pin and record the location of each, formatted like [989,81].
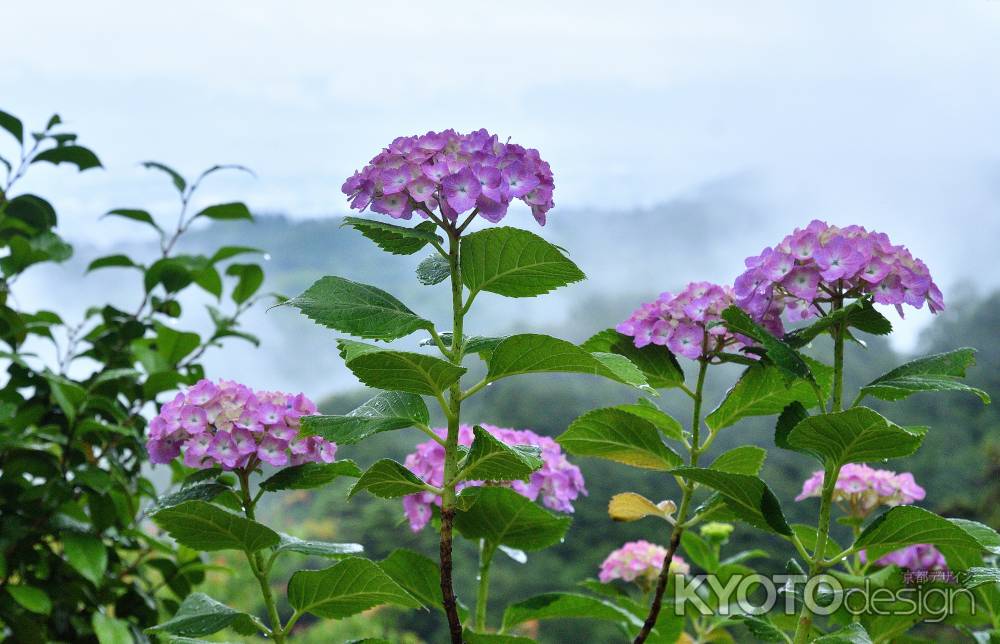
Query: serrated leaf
[398,240]
[309,475]
[317,548]
[200,615]
[850,634]
[790,416]
[906,525]
[647,410]
[562,605]
[349,587]
[940,372]
[745,459]
[856,435]
[199,492]
[630,506]
[418,575]
[761,628]
[387,411]
[657,363]
[87,555]
[514,263]
[359,309]
[764,390]
[860,314]
[388,479]
[433,270]
[780,353]
[746,495]
[504,517]
[490,459]
[206,527]
[399,370]
[534,353]
[979,576]
[619,436]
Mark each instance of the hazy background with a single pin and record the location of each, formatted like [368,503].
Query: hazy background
[684,136]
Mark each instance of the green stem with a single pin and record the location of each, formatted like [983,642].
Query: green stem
[838,359]
[257,565]
[486,552]
[682,511]
[451,441]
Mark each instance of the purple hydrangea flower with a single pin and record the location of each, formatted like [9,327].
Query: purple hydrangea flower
[921,556]
[639,561]
[455,173]
[860,489]
[684,322]
[558,483]
[811,265]
[232,426]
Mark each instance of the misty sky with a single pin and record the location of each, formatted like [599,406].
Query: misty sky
[882,113]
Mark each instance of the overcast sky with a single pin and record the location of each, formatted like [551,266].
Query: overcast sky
[883,113]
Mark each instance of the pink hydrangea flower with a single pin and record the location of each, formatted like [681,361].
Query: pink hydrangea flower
[558,483]
[639,561]
[860,489]
[230,425]
[800,274]
[454,173]
[922,557]
[684,322]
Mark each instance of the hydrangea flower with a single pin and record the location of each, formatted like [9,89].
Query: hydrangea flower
[922,556]
[810,266]
[558,482]
[639,561]
[452,173]
[683,322]
[860,489]
[232,426]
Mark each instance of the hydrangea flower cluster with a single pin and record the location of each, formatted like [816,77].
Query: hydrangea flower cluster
[454,173]
[922,556]
[682,322]
[860,489]
[232,426]
[558,482]
[639,561]
[812,264]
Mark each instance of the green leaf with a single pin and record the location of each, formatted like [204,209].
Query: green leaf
[534,353]
[504,517]
[562,605]
[361,310]
[31,598]
[135,215]
[200,492]
[226,212]
[699,551]
[387,411]
[790,416]
[761,628]
[415,373]
[227,252]
[490,459]
[110,630]
[418,575]
[906,525]
[349,587]
[83,158]
[745,459]
[433,270]
[13,125]
[619,436]
[87,555]
[200,615]
[850,634]
[657,363]
[747,496]
[860,314]
[176,178]
[388,479]
[249,278]
[206,527]
[112,261]
[940,372]
[171,272]
[765,390]
[807,534]
[856,435]
[472,637]
[309,475]
[317,548]
[979,576]
[780,353]
[663,421]
[398,240]
[514,263]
